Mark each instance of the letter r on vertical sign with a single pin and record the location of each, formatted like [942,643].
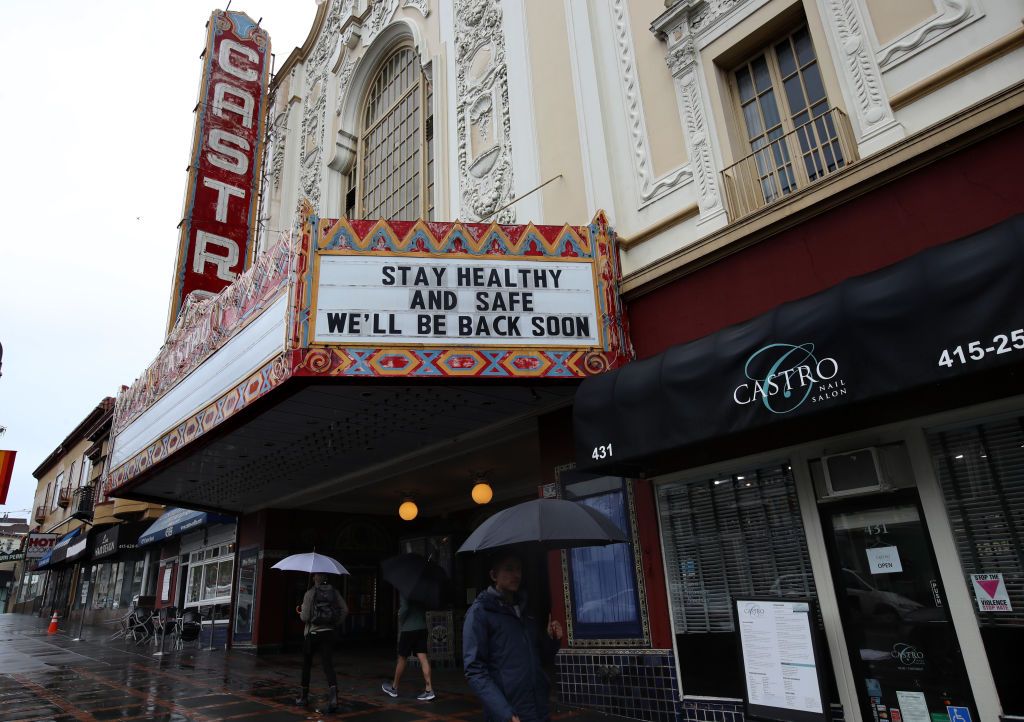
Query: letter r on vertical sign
[222,263]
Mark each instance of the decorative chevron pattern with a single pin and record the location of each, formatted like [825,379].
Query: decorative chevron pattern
[474,239]
[460,363]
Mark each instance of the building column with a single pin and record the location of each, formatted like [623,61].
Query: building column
[684,63]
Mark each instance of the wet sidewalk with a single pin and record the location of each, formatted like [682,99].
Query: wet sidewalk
[51,677]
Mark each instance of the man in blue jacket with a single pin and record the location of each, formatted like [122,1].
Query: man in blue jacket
[504,650]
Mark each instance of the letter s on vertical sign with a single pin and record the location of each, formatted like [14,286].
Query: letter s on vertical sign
[218,144]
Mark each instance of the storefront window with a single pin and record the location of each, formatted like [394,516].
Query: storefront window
[731,535]
[981,470]
[131,583]
[32,587]
[107,590]
[604,590]
[245,602]
[209,576]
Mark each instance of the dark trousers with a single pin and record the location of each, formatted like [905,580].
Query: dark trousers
[324,642]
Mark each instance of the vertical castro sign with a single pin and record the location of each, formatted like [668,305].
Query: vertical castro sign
[219,219]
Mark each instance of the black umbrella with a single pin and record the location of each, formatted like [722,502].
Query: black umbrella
[549,523]
[417,579]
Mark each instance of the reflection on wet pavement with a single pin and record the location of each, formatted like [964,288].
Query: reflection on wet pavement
[54,678]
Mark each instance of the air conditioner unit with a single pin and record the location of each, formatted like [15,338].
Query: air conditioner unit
[853,472]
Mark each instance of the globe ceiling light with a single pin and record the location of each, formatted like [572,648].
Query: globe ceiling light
[408,510]
[482,492]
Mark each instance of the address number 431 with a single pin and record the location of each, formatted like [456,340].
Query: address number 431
[601,452]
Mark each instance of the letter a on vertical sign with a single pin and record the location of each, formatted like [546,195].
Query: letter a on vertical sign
[219,220]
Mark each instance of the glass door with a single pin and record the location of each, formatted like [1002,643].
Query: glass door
[902,643]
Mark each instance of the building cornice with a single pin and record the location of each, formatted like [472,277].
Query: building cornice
[982,56]
[80,432]
[298,55]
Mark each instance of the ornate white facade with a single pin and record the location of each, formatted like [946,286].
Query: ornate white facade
[626,106]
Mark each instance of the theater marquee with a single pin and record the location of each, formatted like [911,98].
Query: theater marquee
[455,301]
[397,298]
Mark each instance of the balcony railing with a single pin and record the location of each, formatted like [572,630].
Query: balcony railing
[82,507]
[40,516]
[64,498]
[789,163]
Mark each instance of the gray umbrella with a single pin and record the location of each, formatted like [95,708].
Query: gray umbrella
[549,523]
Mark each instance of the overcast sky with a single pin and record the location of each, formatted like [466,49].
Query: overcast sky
[96,130]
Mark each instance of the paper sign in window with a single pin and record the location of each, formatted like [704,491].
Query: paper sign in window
[884,560]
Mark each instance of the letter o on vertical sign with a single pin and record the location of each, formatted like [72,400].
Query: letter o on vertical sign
[221,195]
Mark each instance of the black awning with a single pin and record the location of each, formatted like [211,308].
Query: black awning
[941,315]
[119,539]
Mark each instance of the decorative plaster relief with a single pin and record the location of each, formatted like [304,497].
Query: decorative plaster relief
[380,13]
[954,14]
[279,139]
[344,78]
[858,65]
[483,121]
[315,105]
[683,62]
[709,13]
[691,100]
[649,186]
[421,5]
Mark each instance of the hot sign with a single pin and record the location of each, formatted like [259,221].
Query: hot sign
[219,219]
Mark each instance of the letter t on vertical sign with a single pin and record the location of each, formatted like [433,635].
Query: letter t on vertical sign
[218,226]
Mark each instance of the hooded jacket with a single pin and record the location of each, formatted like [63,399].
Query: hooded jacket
[503,651]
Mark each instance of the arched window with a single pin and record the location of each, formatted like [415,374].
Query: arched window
[393,174]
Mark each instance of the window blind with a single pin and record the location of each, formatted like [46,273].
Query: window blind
[981,470]
[732,535]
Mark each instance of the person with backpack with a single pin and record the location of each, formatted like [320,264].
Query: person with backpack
[323,610]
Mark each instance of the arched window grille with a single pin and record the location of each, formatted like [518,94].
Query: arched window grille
[393,176]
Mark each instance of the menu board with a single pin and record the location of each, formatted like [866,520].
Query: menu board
[781,672]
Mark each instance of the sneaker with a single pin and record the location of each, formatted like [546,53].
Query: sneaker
[426,696]
[389,690]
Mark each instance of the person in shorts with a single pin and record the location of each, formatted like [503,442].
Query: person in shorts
[412,639]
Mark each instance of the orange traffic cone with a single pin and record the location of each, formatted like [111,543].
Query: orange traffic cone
[52,629]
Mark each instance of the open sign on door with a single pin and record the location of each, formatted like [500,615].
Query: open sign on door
[884,560]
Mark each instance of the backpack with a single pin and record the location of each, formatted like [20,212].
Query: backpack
[326,612]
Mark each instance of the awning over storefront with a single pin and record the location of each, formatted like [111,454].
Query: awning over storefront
[118,539]
[78,548]
[60,550]
[177,521]
[946,313]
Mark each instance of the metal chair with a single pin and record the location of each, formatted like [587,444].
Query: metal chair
[140,625]
[188,627]
[165,622]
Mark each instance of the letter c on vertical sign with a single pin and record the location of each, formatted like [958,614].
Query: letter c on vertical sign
[226,61]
